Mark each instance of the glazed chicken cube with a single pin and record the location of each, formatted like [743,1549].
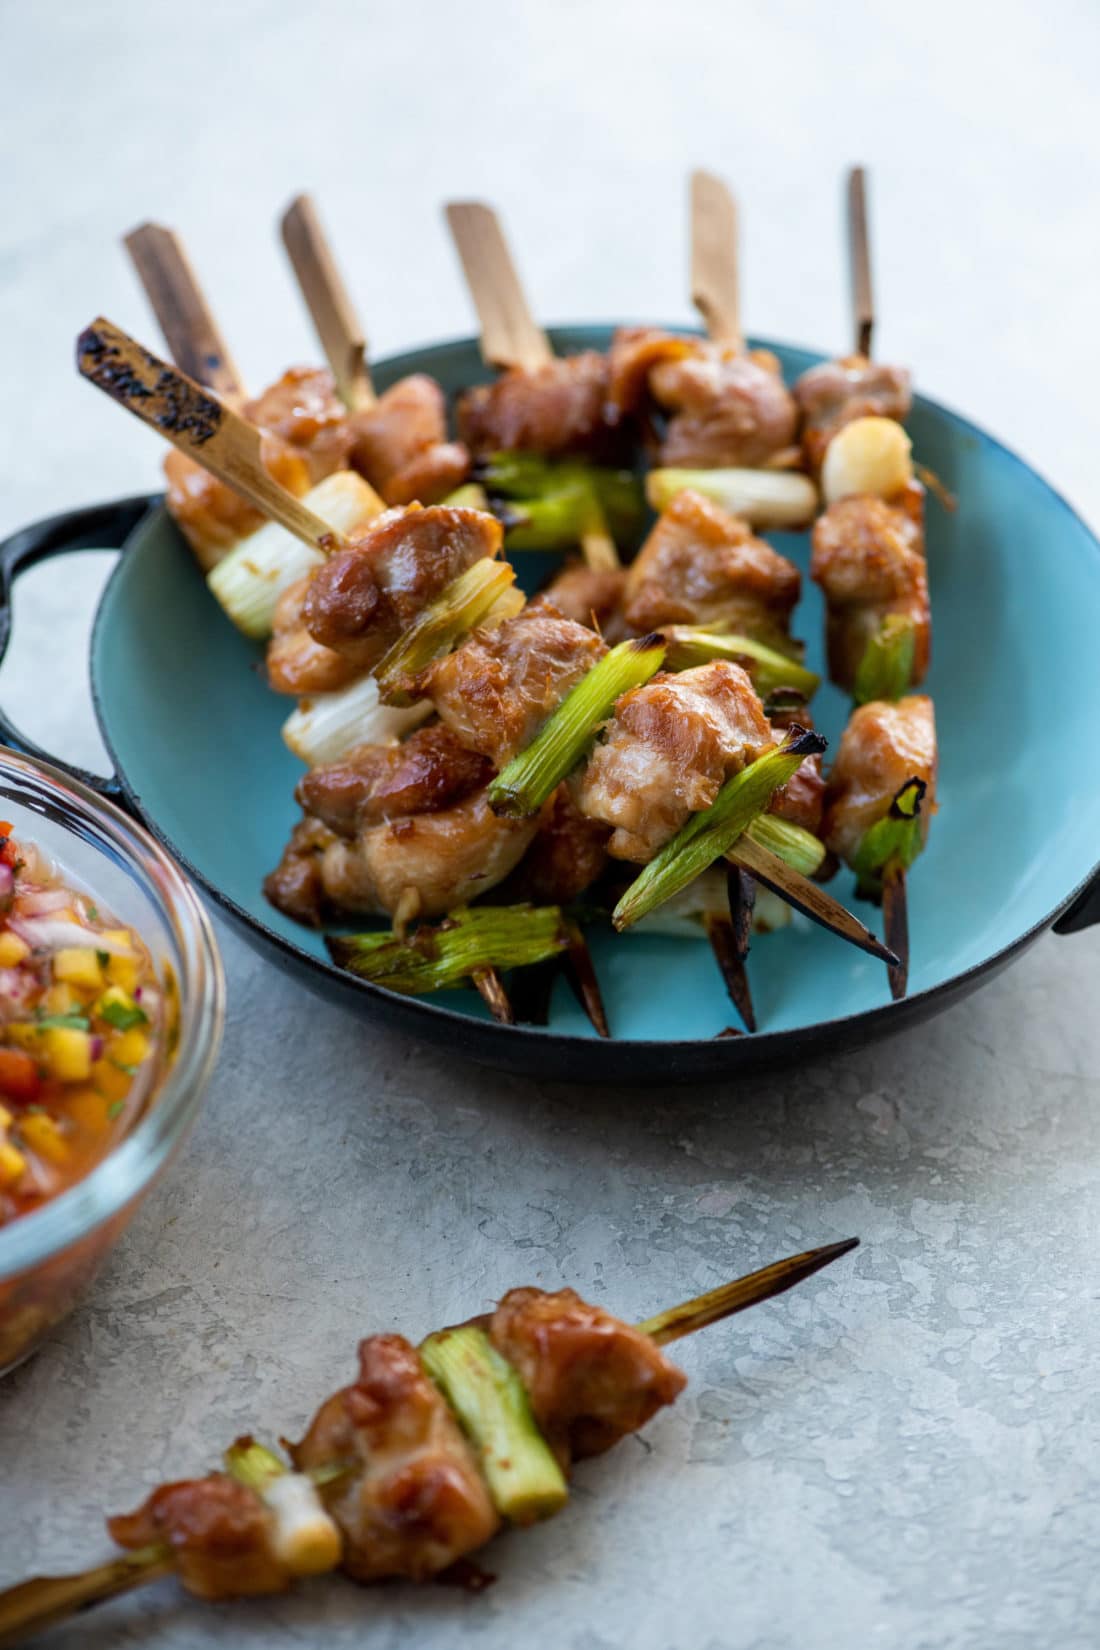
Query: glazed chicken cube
[431,770]
[700,565]
[400,444]
[592,596]
[364,597]
[413,1501]
[568,853]
[220,1534]
[667,751]
[293,661]
[837,392]
[868,558]
[554,409]
[497,689]
[590,1378]
[884,746]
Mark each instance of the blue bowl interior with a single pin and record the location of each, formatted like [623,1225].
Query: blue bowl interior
[1015,579]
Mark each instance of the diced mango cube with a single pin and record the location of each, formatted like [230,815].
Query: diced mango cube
[111,1082]
[5,1119]
[61,999]
[78,965]
[13,950]
[124,972]
[68,1054]
[44,1135]
[129,1048]
[12,1164]
[118,936]
[87,1109]
[25,1034]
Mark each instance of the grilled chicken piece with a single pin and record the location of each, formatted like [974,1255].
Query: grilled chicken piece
[567,855]
[303,409]
[883,747]
[219,1533]
[590,1378]
[667,751]
[296,886]
[591,596]
[361,600]
[400,444]
[294,662]
[413,1501]
[555,409]
[700,565]
[868,558]
[374,783]
[725,406]
[497,689]
[836,392]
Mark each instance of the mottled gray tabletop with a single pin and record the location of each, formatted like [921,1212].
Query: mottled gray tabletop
[906,1451]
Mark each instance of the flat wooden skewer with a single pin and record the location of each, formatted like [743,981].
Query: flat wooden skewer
[715,284]
[194,339]
[329,303]
[859,259]
[895,922]
[806,896]
[510,335]
[46,1601]
[197,422]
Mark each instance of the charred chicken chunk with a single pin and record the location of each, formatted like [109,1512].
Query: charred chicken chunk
[400,444]
[837,392]
[413,1501]
[868,558]
[375,783]
[554,409]
[294,662]
[296,886]
[220,1534]
[361,600]
[590,1378]
[884,746]
[567,855]
[591,596]
[303,409]
[497,689]
[667,751]
[700,565]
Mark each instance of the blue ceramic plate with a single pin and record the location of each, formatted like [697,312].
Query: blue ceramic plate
[1015,581]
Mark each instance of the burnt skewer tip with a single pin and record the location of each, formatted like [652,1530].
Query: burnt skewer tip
[729,1298]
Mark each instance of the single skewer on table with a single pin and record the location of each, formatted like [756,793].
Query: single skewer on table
[500,1402]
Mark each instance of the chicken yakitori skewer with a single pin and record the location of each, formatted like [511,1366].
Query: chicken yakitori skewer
[420,1462]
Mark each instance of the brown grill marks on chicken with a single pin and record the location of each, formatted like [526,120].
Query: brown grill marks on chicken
[882,748]
[375,783]
[296,886]
[413,1500]
[567,855]
[667,751]
[219,1532]
[400,444]
[294,662]
[838,392]
[724,406]
[700,565]
[590,1378]
[554,409]
[497,689]
[868,558]
[361,600]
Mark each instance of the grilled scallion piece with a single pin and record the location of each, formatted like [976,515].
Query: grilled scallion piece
[691,645]
[552,505]
[886,669]
[765,498]
[530,777]
[487,1395]
[892,843]
[482,590]
[435,958]
[709,834]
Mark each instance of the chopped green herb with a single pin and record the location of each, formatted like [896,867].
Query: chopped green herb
[93,911]
[103,958]
[130,1071]
[65,1022]
[115,1108]
[123,1015]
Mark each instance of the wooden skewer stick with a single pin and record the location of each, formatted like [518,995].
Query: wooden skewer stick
[895,921]
[338,327]
[729,940]
[715,287]
[859,256]
[197,422]
[45,1601]
[580,972]
[490,988]
[806,896]
[193,336]
[510,335]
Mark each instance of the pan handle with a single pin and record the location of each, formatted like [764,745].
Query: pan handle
[101,527]
[1083,912]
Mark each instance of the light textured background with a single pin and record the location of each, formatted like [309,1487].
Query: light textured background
[904,1453]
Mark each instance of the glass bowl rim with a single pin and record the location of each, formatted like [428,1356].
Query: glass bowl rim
[130,1169]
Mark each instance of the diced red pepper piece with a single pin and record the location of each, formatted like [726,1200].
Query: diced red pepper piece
[19,1076]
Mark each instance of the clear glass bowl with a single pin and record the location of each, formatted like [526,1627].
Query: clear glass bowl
[48,1258]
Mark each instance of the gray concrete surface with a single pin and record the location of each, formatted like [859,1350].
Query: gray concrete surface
[904,1453]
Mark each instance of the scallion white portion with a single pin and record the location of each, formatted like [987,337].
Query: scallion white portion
[326,727]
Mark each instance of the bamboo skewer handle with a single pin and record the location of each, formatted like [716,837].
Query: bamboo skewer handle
[715,290]
[859,257]
[338,327]
[192,334]
[806,896]
[195,421]
[510,336]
